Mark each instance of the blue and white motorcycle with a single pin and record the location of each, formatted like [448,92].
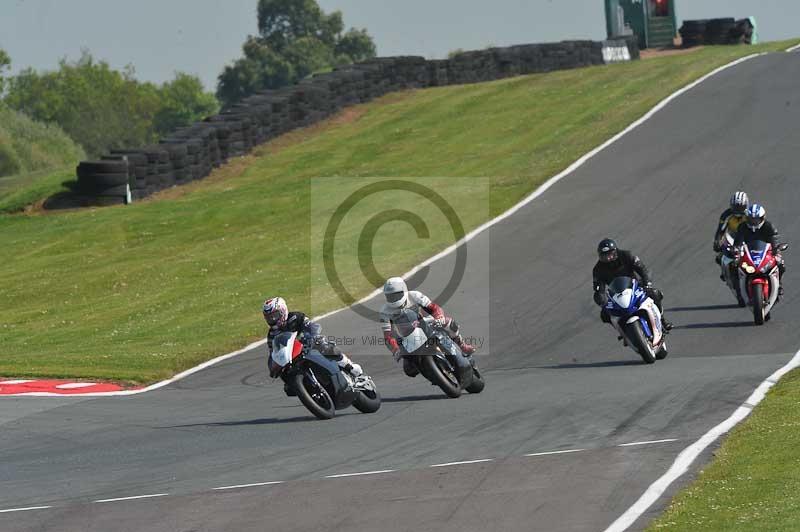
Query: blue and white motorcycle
[636,318]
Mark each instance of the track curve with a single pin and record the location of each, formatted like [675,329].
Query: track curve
[556,378]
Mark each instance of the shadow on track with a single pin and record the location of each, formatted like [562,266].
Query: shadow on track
[720,325]
[606,364]
[262,421]
[413,398]
[702,307]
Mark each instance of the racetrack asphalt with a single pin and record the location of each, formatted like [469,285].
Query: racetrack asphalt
[557,379]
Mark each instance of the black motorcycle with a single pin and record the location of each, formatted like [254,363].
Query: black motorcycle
[431,350]
[319,382]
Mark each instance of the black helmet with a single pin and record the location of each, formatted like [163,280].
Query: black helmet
[607,250]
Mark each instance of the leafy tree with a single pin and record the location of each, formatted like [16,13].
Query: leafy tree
[356,45]
[296,38]
[183,101]
[260,68]
[5,64]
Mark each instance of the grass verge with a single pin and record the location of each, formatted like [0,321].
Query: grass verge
[138,293]
[23,191]
[754,481]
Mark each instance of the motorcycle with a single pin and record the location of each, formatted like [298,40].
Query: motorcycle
[638,320]
[431,350]
[319,382]
[729,268]
[760,277]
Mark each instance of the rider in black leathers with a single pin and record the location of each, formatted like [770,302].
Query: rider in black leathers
[759,228]
[614,262]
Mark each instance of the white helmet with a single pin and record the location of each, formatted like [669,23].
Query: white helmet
[396,292]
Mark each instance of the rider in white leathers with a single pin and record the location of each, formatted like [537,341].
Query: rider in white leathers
[400,298]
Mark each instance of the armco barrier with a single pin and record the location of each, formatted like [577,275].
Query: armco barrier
[190,153]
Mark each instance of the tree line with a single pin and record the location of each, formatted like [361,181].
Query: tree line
[102,108]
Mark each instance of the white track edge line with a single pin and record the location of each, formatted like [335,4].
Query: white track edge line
[793,48]
[632,444]
[688,455]
[253,485]
[29,508]
[465,462]
[472,234]
[547,453]
[135,497]
[343,475]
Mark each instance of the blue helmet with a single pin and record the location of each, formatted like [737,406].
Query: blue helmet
[756,216]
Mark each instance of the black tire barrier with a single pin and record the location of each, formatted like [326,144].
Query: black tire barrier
[716,32]
[191,152]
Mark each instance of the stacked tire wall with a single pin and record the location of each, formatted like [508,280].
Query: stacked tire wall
[191,153]
[716,31]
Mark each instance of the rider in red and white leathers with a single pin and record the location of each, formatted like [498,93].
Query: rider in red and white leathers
[399,298]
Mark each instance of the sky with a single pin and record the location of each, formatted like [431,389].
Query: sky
[160,37]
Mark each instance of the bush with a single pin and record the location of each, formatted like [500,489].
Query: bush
[27,145]
[104,109]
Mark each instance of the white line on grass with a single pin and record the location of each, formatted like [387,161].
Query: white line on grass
[151,496]
[793,48]
[690,454]
[472,234]
[29,508]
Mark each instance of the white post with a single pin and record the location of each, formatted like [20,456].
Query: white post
[128,197]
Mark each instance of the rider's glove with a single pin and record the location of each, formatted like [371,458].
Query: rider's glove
[600,298]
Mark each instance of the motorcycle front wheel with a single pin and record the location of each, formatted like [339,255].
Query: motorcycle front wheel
[758,305]
[444,378]
[318,401]
[640,342]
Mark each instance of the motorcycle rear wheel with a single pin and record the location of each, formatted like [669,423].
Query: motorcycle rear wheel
[640,342]
[449,384]
[478,383]
[367,402]
[322,406]
[758,305]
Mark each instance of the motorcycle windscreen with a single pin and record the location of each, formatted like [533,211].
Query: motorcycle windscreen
[282,347]
[757,250]
[621,291]
[416,339]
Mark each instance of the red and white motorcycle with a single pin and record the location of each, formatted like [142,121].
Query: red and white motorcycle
[759,277]
[319,382]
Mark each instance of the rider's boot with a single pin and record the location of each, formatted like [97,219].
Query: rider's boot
[466,348]
[667,325]
[349,366]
